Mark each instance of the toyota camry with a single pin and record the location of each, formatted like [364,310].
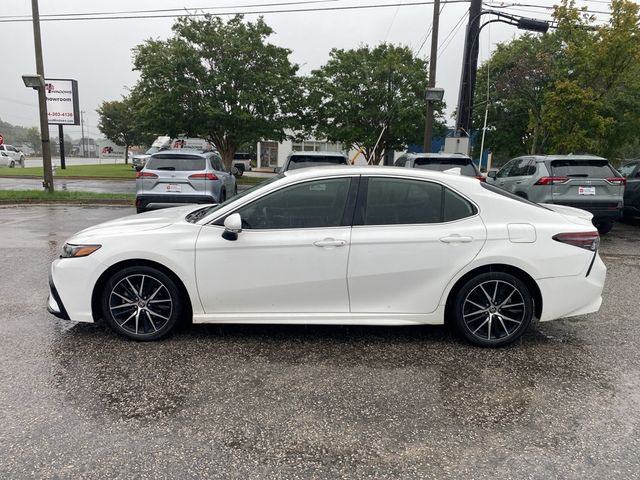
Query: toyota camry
[338,245]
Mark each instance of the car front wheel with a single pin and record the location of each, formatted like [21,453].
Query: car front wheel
[141,303]
[12,164]
[493,309]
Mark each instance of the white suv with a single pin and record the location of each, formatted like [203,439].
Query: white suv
[10,156]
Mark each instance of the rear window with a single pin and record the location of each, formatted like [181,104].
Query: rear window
[182,163]
[582,169]
[441,164]
[302,161]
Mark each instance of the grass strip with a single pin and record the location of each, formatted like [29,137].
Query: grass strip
[40,196]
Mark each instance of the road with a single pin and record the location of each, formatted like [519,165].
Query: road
[310,402]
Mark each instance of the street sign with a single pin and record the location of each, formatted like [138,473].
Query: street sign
[62,101]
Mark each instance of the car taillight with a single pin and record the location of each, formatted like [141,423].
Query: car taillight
[587,240]
[617,180]
[203,176]
[552,180]
[481,178]
[141,174]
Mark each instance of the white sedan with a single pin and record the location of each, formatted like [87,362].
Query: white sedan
[338,245]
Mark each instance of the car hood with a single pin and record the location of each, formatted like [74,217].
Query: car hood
[134,223]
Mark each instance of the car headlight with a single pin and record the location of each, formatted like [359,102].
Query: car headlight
[70,251]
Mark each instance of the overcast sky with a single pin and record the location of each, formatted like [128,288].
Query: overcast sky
[98,53]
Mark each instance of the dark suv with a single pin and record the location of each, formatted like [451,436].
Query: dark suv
[440,162]
[582,181]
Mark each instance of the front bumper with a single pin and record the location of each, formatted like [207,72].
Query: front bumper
[54,303]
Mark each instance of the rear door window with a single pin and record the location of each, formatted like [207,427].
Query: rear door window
[627,170]
[582,169]
[441,164]
[396,201]
[175,163]
[302,161]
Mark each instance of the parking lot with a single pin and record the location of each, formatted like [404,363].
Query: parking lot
[310,402]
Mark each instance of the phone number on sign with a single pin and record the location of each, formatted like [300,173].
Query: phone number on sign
[60,114]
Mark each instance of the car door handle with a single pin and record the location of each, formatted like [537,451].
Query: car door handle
[330,242]
[456,239]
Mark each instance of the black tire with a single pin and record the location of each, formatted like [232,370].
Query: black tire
[140,210]
[235,190]
[604,227]
[223,196]
[143,317]
[12,164]
[493,309]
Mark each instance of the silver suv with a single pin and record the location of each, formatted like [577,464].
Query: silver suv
[297,160]
[440,162]
[581,181]
[175,177]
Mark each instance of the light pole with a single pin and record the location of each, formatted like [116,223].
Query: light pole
[433,60]
[37,82]
[470,63]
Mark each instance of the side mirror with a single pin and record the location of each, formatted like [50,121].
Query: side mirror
[277,170]
[138,168]
[235,172]
[492,174]
[232,227]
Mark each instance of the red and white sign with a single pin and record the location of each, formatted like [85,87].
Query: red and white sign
[1,139]
[62,101]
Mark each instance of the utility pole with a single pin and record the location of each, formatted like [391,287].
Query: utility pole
[433,60]
[84,154]
[469,67]
[42,100]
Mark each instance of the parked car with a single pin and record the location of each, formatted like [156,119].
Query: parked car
[159,144]
[176,176]
[631,171]
[581,181]
[242,161]
[297,160]
[15,156]
[335,245]
[440,162]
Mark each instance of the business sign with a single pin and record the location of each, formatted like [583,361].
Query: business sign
[62,101]
[108,149]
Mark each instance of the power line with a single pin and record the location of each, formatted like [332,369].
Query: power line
[543,7]
[251,12]
[428,33]
[452,33]
[164,10]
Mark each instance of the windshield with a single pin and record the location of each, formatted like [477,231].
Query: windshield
[441,164]
[152,150]
[177,163]
[199,214]
[582,168]
[302,161]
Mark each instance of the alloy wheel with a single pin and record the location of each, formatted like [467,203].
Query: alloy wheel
[140,304]
[494,310]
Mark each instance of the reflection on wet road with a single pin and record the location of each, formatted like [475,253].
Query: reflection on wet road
[309,402]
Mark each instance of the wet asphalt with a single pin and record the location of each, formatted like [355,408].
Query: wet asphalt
[78,401]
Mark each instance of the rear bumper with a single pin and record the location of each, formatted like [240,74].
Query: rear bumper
[607,213]
[168,199]
[574,295]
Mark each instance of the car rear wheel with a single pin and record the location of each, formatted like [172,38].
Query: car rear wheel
[141,303]
[493,309]
[12,164]
[223,196]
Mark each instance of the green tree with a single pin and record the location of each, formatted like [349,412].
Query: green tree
[576,89]
[222,81]
[371,99]
[117,123]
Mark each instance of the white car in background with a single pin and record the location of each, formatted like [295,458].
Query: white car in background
[338,245]
[11,156]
